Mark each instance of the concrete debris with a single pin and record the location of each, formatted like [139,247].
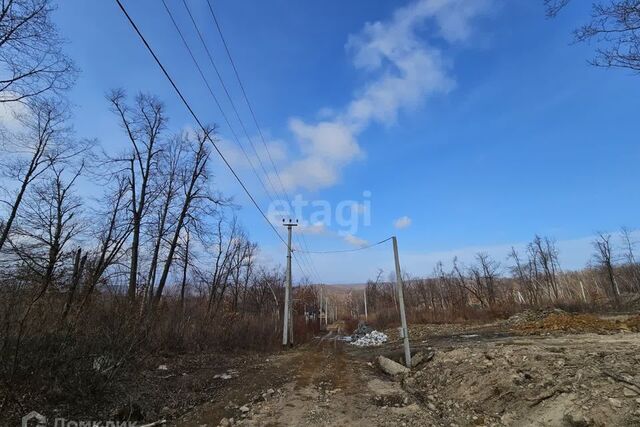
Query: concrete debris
[373,338]
[417,359]
[390,367]
[361,330]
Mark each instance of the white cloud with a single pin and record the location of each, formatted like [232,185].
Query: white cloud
[9,113]
[404,70]
[402,222]
[326,147]
[355,241]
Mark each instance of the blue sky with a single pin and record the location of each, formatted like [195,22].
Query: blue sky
[480,122]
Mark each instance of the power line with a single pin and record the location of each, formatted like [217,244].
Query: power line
[305,253]
[244,94]
[302,241]
[195,117]
[226,91]
[351,250]
[227,121]
[215,98]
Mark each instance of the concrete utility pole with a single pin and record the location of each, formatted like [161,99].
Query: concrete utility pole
[320,305]
[366,316]
[403,316]
[326,310]
[287,327]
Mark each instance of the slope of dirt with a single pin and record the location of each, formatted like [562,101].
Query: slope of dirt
[575,323]
[569,380]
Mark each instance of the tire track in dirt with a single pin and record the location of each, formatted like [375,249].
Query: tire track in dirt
[323,385]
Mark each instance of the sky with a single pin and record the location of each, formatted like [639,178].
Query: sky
[458,126]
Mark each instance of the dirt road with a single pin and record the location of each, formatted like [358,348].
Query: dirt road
[479,376]
[326,386]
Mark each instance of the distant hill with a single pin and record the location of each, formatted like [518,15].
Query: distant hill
[346,287]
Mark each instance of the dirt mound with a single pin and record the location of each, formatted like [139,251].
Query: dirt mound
[532,315]
[633,323]
[572,323]
[577,380]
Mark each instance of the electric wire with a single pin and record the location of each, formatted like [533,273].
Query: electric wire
[195,116]
[226,91]
[302,241]
[309,266]
[215,98]
[352,250]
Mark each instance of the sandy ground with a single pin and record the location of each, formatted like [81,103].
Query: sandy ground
[487,375]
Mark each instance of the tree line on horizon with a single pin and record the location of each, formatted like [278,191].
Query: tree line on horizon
[530,278]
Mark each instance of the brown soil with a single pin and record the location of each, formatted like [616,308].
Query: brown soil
[578,323]
[480,375]
[327,387]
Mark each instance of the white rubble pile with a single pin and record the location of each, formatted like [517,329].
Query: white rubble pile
[373,338]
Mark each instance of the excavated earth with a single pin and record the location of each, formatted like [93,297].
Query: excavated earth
[537,369]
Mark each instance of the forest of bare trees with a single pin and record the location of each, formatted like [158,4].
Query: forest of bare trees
[156,260]
[528,278]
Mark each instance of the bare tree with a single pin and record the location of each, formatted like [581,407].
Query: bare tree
[44,141]
[185,266]
[112,226]
[78,270]
[604,258]
[473,285]
[223,254]
[266,286]
[615,26]
[524,274]
[490,269]
[545,264]
[630,259]
[554,6]
[46,226]
[167,189]
[143,124]
[31,56]
[193,184]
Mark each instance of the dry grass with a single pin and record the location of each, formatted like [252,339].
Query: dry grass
[81,362]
